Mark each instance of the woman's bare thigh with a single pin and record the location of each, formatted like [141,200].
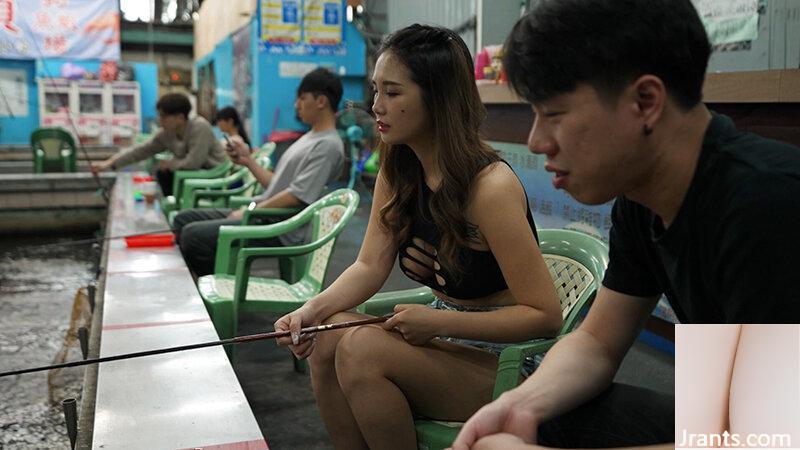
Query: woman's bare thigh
[440,380]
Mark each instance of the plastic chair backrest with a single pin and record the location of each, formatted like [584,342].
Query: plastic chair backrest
[219,171]
[331,214]
[53,150]
[577,263]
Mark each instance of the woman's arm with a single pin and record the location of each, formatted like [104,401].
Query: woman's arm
[703,366]
[498,207]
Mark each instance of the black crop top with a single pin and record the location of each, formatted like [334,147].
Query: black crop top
[481,274]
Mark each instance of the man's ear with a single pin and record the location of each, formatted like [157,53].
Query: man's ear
[321,101]
[650,96]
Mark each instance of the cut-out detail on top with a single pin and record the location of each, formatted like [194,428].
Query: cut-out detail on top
[480,274]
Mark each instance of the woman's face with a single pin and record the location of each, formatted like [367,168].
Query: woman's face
[399,110]
[225,125]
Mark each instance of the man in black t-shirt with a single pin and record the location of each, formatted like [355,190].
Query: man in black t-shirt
[705,214]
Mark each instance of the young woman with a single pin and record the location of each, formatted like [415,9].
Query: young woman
[458,218]
[228,121]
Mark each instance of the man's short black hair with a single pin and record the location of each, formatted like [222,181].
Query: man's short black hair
[607,44]
[175,103]
[322,81]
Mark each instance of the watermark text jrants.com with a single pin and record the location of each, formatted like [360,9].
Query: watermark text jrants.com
[726,439]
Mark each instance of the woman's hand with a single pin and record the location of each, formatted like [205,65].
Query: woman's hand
[300,344]
[416,323]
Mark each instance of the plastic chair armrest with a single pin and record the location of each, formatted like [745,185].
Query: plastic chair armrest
[215,194]
[384,302]
[511,360]
[237,201]
[252,214]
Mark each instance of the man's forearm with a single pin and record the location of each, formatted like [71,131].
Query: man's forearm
[283,199]
[574,371]
[262,175]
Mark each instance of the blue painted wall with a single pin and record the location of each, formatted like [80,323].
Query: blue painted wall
[222,55]
[147,75]
[17,129]
[223,72]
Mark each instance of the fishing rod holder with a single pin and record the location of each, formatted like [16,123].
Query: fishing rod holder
[83,338]
[91,291]
[70,406]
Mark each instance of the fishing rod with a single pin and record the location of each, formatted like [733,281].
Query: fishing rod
[22,250]
[99,239]
[235,340]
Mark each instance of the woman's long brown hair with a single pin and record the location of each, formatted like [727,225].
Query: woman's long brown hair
[440,64]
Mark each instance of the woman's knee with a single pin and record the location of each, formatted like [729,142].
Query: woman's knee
[325,347]
[362,354]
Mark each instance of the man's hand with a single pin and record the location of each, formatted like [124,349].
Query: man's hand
[507,414]
[238,151]
[236,214]
[503,441]
[416,323]
[101,166]
[163,165]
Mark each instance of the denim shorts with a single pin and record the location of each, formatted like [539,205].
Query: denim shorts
[531,362]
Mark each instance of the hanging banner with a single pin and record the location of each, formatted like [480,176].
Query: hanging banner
[322,22]
[301,27]
[75,29]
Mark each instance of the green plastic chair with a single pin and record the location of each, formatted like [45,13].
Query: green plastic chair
[576,262]
[216,192]
[224,292]
[53,150]
[171,202]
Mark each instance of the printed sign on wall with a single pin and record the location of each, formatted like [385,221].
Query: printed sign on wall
[301,27]
[280,21]
[729,21]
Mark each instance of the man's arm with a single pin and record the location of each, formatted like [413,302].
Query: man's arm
[283,199]
[575,370]
[505,441]
[239,152]
[131,155]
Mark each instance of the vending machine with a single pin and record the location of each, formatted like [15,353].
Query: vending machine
[92,123]
[56,103]
[126,112]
